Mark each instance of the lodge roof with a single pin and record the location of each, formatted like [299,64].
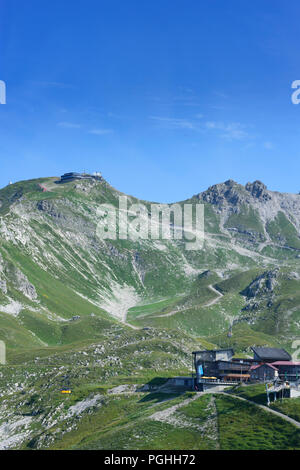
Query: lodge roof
[213,351]
[262,365]
[285,363]
[271,354]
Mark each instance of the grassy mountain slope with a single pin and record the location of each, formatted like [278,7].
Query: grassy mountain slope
[113,312]
[54,267]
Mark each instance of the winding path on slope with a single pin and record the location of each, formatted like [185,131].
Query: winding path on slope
[274,412]
[173,312]
[209,304]
[263,407]
[162,414]
[214,301]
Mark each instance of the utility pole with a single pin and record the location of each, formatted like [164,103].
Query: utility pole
[268,398]
[193,370]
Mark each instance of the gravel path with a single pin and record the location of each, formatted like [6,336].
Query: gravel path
[163,415]
[214,301]
[209,304]
[263,407]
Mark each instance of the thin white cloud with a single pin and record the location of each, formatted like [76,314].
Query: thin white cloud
[184,97]
[221,94]
[230,131]
[268,145]
[94,131]
[211,125]
[114,115]
[174,123]
[101,131]
[69,125]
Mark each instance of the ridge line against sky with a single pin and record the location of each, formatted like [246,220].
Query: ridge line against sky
[164,99]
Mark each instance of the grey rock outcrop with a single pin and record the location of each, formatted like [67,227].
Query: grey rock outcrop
[3,286]
[263,284]
[205,275]
[49,208]
[222,194]
[23,285]
[258,190]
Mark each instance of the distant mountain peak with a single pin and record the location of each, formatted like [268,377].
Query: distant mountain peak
[231,192]
[258,190]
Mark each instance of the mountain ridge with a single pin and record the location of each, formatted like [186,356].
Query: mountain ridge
[53,267]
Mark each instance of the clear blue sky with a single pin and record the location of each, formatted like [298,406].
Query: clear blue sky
[165,97]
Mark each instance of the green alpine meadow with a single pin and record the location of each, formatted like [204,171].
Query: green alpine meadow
[94,329]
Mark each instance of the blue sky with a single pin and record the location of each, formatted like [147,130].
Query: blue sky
[165,98]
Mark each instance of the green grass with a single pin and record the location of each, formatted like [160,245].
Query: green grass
[238,281]
[193,316]
[16,191]
[243,337]
[243,426]
[197,409]
[256,393]
[282,231]
[247,219]
[289,407]
[123,422]
[53,333]
[117,422]
[15,335]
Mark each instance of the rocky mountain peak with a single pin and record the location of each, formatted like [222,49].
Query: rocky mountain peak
[230,183]
[223,193]
[258,190]
[232,193]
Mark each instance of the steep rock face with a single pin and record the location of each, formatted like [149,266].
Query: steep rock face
[232,193]
[11,274]
[49,208]
[222,194]
[256,215]
[17,279]
[23,285]
[258,190]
